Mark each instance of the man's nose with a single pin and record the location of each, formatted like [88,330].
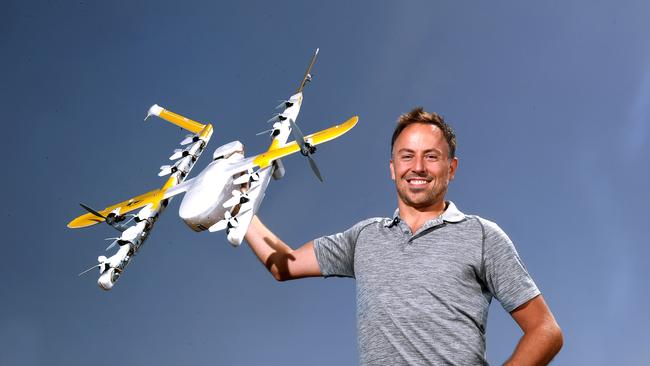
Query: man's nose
[418,164]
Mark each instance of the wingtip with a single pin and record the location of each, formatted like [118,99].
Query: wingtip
[82,221]
[154,110]
[352,121]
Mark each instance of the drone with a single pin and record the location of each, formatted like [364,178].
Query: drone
[223,196]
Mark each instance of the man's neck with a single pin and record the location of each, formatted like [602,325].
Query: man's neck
[416,217]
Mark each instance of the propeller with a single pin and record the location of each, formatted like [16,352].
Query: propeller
[102,265]
[145,213]
[285,104]
[178,153]
[277,118]
[190,150]
[264,132]
[127,236]
[276,127]
[189,139]
[307,77]
[115,240]
[89,269]
[236,199]
[306,148]
[229,221]
[249,177]
[182,165]
[166,170]
[111,219]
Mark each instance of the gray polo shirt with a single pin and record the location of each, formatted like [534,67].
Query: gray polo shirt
[423,298]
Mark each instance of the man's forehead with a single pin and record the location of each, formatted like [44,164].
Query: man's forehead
[412,136]
[420,131]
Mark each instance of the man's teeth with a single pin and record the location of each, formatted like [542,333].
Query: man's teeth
[417,181]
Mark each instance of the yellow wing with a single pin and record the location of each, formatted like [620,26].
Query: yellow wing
[134,203]
[177,119]
[265,159]
[154,197]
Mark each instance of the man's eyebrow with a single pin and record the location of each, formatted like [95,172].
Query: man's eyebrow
[405,149]
[437,151]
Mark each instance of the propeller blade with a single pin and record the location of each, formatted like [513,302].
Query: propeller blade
[165,170]
[277,118]
[249,177]
[178,153]
[273,119]
[241,180]
[297,134]
[232,201]
[244,208]
[92,211]
[300,140]
[227,221]
[145,213]
[237,198]
[111,245]
[284,104]
[314,168]
[307,77]
[264,132]
[131,217]
[220,225]
[188,139]
[89,269]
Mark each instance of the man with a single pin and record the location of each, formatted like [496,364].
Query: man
[425,277]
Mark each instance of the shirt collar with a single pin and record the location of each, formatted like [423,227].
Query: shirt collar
[451,214]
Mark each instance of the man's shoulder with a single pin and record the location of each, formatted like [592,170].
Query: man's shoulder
[490,229]
[353,231]
[486,224]
[371,221]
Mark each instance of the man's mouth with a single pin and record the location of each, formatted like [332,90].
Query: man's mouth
[417,181]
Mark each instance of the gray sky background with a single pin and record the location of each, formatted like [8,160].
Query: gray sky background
[550,102]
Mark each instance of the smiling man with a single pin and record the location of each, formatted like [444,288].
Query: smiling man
[426,276]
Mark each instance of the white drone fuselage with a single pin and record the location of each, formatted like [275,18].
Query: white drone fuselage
[207,201]
[202,205]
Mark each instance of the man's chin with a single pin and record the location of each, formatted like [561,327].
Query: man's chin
[420,202]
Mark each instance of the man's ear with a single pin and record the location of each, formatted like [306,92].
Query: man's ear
[392,171]
[452,168]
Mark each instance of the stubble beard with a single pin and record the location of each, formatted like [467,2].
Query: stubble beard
[421,198]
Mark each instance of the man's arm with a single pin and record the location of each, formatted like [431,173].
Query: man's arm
[542,337]
[283,262]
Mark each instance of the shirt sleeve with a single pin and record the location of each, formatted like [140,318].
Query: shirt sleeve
[505,274]
[335,253]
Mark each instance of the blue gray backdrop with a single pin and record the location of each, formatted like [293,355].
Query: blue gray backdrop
[550,102]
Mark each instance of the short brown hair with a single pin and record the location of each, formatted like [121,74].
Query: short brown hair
[418,115]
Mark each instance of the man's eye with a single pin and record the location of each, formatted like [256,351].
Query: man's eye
[407,157]
[432,157]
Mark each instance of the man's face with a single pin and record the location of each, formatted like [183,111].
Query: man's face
[421,167]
